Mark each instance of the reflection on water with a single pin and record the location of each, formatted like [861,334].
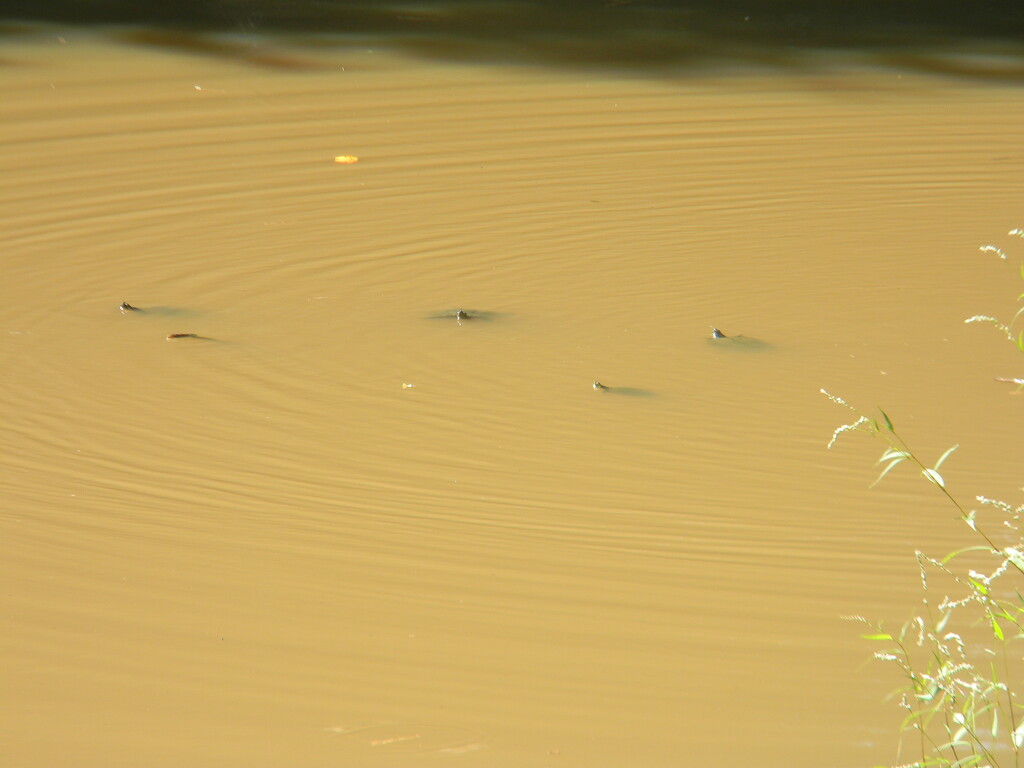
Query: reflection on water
[352,534]
[639,36]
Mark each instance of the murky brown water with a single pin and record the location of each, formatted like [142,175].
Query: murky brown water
[338,532]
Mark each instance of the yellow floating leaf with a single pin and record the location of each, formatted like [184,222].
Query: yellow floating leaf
[347,159]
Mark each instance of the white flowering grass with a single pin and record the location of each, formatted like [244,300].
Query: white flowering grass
[961,654]
[1005,328]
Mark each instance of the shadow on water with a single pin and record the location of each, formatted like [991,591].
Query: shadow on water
[628,391]
[160,311]
[643,36]
[739,344]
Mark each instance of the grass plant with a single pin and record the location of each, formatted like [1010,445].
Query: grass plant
[961,654]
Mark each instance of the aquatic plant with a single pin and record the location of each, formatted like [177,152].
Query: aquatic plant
[960,655]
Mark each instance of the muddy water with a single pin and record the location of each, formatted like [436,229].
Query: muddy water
[338,531]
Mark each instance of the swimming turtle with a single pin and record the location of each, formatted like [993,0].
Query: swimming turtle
[127,308]
[631,391]
[744,343]
[460,315]
[177,337]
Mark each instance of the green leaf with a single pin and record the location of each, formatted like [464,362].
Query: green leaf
[885,471]
[933,477]
[892,453]
[880,636]
[996,629]
[944,456]
[969,519]
[1016,558]
[888,421]
[959,552]
[1018,735]
[954,744]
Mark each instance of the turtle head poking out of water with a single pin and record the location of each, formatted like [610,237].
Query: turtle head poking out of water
[462,315]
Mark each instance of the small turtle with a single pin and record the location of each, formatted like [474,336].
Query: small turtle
[630,391]
[157,311]
[740,342]
[463,314]
[196,336]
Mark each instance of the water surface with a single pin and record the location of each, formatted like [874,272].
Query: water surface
[352,534]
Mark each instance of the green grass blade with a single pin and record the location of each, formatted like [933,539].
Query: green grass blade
[958,552]
[965,762]
[885,471]
[892,453]
[945,456]
[888,421]
[1018,735]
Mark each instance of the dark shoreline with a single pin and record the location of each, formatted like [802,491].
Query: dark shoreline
[639,35]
